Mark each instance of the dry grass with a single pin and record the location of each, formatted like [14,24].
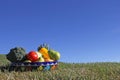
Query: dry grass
[67,71]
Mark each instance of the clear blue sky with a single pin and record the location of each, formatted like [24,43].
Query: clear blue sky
[81,30]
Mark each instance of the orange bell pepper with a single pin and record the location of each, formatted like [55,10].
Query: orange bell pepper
[44,52]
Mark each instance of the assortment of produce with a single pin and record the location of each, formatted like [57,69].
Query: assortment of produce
[42,59]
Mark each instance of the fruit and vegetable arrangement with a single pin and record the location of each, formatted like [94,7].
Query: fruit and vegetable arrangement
[42,59]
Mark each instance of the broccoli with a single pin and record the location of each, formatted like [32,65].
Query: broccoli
[16,54]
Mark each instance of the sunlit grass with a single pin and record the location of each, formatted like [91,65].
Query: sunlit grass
[67,71]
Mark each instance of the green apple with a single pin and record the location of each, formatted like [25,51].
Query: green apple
[54,54]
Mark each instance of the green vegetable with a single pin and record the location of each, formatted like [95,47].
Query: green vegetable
[16,54]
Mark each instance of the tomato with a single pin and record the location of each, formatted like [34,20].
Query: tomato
[32,56]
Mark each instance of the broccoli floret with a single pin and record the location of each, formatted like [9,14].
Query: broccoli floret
[16,54]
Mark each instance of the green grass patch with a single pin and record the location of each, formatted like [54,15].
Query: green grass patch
[67,71]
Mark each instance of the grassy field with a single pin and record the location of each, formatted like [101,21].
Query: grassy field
[66,71]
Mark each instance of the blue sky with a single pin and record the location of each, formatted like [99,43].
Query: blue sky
[81,30]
